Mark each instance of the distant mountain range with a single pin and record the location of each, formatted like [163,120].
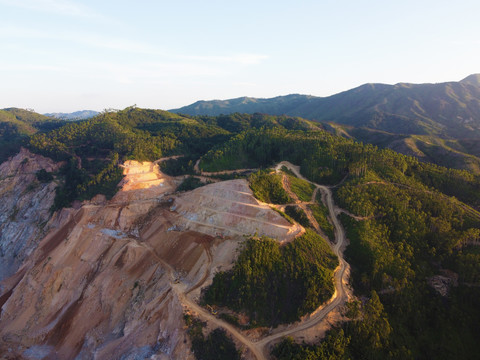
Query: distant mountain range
[438,123]
[77,115]
[448,110]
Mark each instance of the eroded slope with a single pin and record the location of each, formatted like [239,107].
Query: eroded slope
[24,208]
[100,285]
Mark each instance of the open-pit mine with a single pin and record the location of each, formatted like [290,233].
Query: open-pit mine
[112,278]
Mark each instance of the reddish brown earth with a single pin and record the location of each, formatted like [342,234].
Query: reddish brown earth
[109,279]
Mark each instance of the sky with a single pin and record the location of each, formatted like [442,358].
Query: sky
[68,55]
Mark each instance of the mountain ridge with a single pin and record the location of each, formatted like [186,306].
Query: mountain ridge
[76,115]
[473,79]
[17,124]
[449,109]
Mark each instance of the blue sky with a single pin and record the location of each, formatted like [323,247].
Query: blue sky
[67,55]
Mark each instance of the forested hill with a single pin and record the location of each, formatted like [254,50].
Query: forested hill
[450,109]
[92,148]
[276,106]
[409,233]
[17,124]
[416,223]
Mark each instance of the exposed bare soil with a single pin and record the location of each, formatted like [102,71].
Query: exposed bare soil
[111,278]
[24,208]
[319,321]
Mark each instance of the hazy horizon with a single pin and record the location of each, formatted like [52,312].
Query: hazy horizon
[66,55]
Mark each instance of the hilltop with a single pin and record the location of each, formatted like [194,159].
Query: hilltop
[17,124]
[76,115]
[450,109]
[438,123]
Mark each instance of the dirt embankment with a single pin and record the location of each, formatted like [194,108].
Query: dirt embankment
[100,283]
[24,208]
[197,170]
[311,326]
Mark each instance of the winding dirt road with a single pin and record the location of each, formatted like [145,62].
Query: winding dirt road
[302,204]
[197,170]
[260,348]
[342,291]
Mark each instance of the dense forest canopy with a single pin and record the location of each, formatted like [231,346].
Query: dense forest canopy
[449,110]
[17,124]
[415,221]
[437,123]
[92,147]
[276,284]
[326,158]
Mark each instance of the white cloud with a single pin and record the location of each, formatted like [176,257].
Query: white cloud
[243,59]
[129,46]
[62,7]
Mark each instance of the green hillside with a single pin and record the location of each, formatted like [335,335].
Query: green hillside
[415,221]
[444,117]
[276,106]
[413,229]
[93,147]
[277,284]
[454,153]
[449,109]
[17,124]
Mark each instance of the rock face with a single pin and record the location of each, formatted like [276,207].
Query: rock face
[109,280]
[24,209]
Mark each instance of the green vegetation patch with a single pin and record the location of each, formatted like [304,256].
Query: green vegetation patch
[79,185]
[15,127]
[414,234]
[44,176]
[320,213]
[191,183]
[298,215]
[232,176]
[288,218]
[303,189]
[466,262]
[287,171]
[333,347]
[180,166]
[274,284]
[215,346]
[267,187]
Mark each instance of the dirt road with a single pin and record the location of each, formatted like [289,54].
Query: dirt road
[197,170]
[205,315]
[260,348]
[302,204]
[342,292]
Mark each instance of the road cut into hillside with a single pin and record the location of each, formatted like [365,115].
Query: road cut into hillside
[260,348]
